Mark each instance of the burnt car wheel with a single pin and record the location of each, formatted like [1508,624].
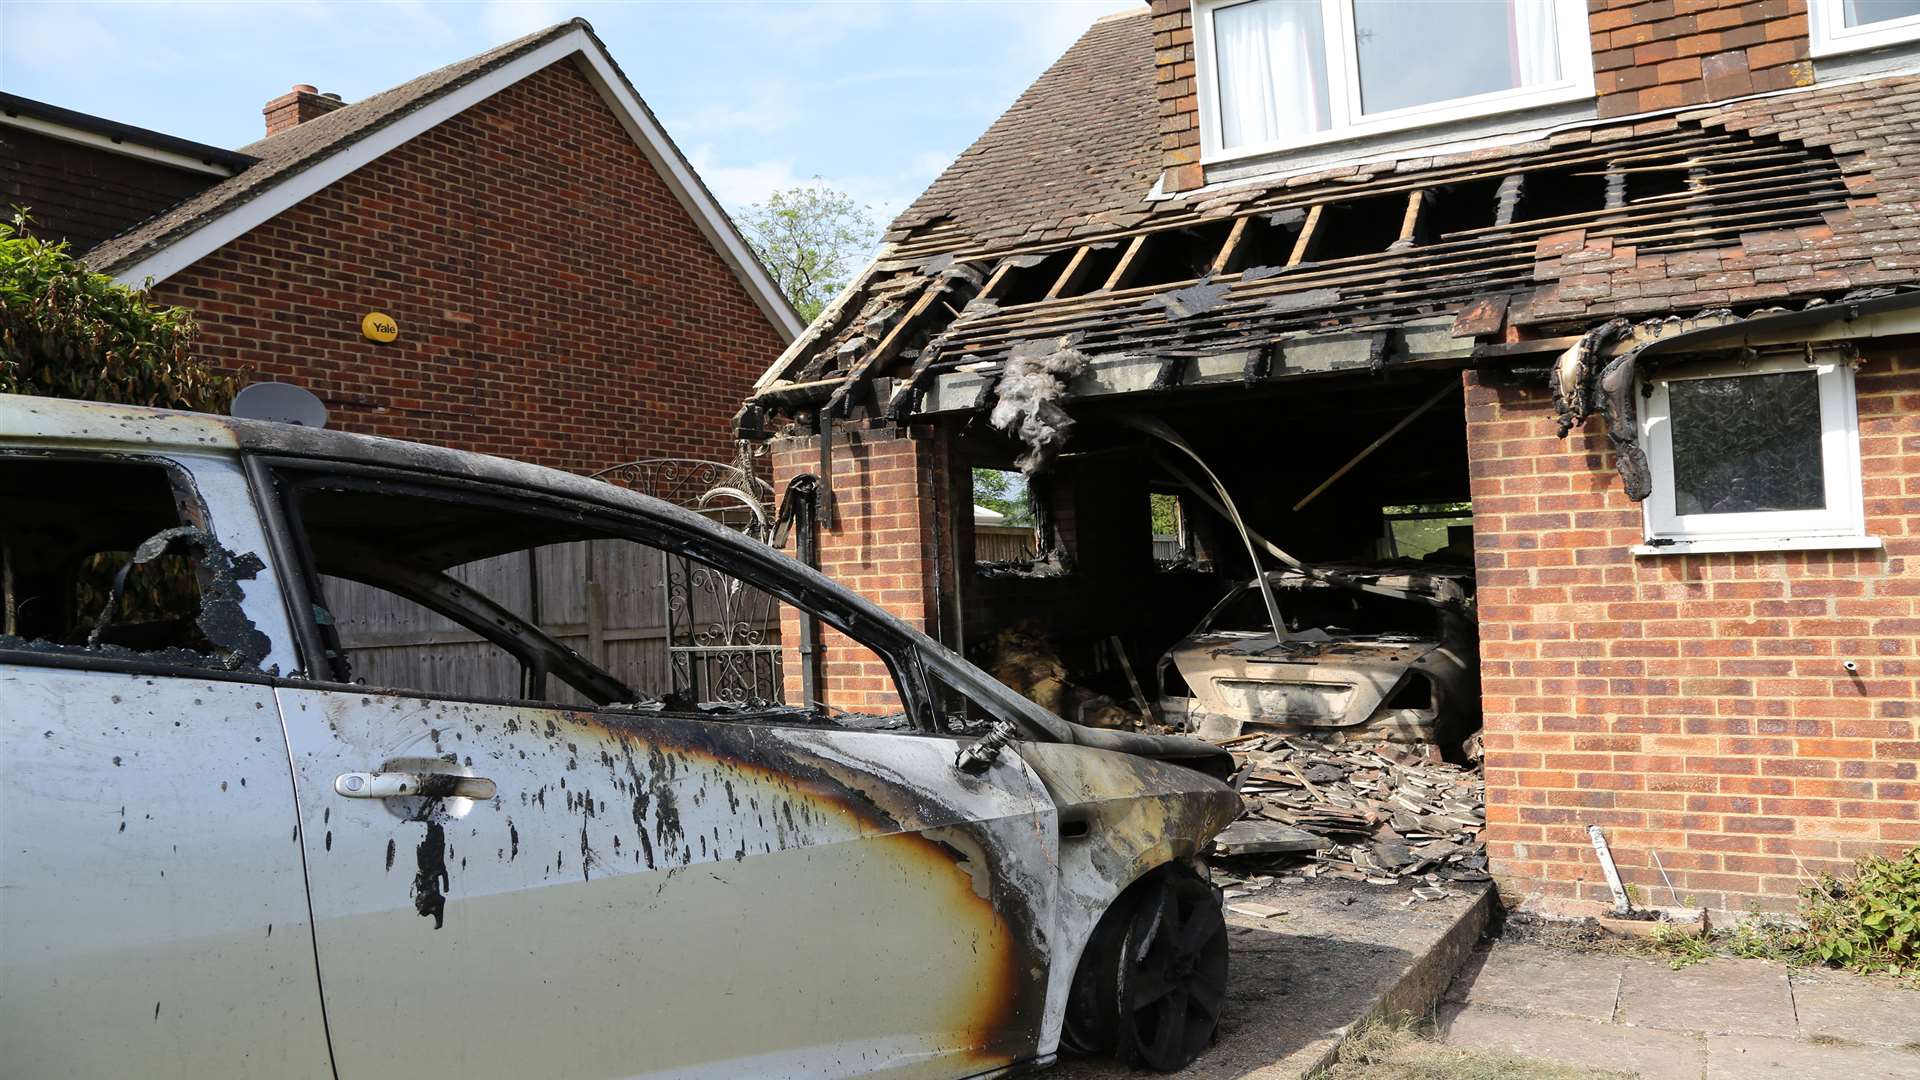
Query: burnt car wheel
[1152,982]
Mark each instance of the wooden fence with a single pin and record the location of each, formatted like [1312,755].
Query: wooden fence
[606,599]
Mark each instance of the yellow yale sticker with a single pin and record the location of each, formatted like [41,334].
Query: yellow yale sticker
[379,326]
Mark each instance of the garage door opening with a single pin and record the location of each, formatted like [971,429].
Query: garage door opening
[1140,606]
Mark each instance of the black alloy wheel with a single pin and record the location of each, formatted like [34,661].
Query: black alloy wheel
[1154,978]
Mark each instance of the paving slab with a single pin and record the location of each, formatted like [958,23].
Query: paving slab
[1759,1057]
[1720,997]
[1651,1055]
[1342,953]
[1543,980]
[1837,1005]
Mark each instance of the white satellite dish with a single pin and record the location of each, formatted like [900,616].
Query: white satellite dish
[280,402]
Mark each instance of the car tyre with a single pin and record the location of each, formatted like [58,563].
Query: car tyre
[1153,979]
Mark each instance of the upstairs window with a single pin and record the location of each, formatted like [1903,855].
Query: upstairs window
[1284,73]
[1841,26]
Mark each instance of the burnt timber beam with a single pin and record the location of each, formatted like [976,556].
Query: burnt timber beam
[1070,277]
[1231,248]
[1129,265]
[1309,241]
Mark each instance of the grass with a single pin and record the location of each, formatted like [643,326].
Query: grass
[1405,1050]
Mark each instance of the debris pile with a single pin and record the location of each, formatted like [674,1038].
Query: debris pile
[1378,813]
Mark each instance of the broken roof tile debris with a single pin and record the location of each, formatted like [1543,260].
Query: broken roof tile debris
[1381,813]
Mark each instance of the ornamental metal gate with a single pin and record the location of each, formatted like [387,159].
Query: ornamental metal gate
[722,635]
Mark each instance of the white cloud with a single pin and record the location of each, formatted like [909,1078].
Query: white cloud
[53,37]
[1047,29]
[930,163]
[509,19]
[738,186]
[768,108]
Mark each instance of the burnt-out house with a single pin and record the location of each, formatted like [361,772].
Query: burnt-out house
[1577,336]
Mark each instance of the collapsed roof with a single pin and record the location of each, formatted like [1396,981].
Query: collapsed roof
[1047,234]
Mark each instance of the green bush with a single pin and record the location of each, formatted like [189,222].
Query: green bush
[1869,922]
[68,332]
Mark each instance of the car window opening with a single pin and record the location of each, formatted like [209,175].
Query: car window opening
[424,593]
[132,577]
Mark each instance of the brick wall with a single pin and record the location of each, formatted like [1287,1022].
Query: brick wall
[1663,54]
[1647,55]
[882,545]
[83,194]
[556,303]
[1691,705]
[1173,73]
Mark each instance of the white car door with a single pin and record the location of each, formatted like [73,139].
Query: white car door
[153,914]
[618,891]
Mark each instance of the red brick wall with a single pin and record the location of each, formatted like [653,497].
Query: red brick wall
[1662,54]
[881,545]
[83,194]
[556,303]
[1647,55]
[1691,705]
[1173,73]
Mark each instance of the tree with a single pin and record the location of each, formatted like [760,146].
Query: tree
[811,239]
[1006,492]
[66,331]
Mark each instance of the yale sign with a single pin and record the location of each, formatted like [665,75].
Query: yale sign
[379,326]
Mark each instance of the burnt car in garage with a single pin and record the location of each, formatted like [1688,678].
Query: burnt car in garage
[1367,652]
[248,828]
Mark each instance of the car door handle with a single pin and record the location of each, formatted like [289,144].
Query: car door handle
[394,785]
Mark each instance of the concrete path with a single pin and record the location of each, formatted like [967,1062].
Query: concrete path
[1719,1020]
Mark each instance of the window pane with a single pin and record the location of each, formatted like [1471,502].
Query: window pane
[1271,56]
[1745,444]
[1862,12]
[1418,54]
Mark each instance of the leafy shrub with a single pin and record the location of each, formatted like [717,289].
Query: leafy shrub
[66,331]
[1869,922]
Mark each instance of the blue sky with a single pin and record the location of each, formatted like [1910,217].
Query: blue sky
[874,97]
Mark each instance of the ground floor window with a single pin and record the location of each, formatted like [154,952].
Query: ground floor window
[1760,452]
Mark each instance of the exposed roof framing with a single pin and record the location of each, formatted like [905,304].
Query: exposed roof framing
[1261,265]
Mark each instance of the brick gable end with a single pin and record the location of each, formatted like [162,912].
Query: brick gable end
[556,302]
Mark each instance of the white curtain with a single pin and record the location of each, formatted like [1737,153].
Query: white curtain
[1536,46]
[1271,58]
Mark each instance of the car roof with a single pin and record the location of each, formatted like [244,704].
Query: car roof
[98,424]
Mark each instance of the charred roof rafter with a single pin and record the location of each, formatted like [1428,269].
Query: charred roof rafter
[1242,269]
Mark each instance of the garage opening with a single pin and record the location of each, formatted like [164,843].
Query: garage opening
[1139,607]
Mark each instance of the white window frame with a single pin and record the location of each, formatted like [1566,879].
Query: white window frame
[1840,524]
[1345,119]
[1831,36]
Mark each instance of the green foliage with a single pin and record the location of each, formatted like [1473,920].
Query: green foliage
[811,239]
[1682,947]
[1869,922]
[1166,514]
[1006,492]
[68,332]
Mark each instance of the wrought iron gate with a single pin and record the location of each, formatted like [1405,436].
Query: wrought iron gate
[723,635]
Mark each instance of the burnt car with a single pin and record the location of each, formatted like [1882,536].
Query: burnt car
[249,827]
[1367,652]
